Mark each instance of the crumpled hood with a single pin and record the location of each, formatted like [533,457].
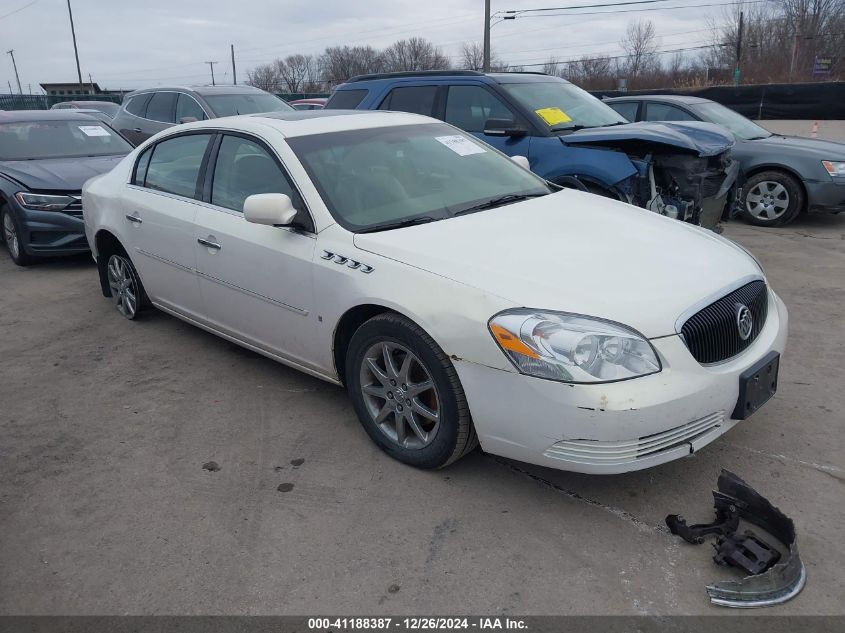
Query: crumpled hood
[705,139]
[575,252]
[796,145]
[58,174]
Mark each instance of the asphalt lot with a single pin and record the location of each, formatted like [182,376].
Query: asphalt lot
[105,507]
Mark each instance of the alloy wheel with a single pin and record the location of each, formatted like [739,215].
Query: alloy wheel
[10,234]
[400,395]
[767,200]
[123,287]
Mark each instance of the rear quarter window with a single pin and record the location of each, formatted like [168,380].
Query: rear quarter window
[346,99]
[138,105]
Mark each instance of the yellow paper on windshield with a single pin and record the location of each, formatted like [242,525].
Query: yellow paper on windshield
[553,116]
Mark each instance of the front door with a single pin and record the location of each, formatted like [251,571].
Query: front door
[256,280]
[469,107]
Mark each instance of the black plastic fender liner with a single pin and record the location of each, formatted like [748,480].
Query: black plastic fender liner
[783,581]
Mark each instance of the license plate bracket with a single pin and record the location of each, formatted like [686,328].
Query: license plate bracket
[757,385]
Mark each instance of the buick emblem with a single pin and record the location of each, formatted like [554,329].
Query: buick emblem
[744,321]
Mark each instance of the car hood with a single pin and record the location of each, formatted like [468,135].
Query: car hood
[58,174]
[704,139]
[575,252]
[823,150]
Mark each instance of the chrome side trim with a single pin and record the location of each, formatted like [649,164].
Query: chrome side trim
[164,260]
[250,293]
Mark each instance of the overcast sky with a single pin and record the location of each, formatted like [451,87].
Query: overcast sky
[125,44]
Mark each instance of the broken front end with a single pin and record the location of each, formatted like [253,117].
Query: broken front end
[683,171]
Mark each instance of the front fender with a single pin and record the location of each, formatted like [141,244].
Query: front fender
[552,159]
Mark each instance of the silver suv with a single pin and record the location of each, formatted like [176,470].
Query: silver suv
[149,111]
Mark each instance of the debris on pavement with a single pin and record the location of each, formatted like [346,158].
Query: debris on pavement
[775,576]
[211,467]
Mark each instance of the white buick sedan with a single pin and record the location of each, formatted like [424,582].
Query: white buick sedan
[459,298]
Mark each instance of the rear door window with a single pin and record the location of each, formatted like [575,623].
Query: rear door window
[175,164]
[627,109]
[414,99]
[345,99]
[666,112]
[161,107]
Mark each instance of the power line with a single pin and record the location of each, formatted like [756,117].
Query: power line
[19,9]
[677,7]
[584,6]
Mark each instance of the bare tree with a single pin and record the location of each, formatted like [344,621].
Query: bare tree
[265,77]
[640,46]
[472,56]
[339,63]
[298,73]
[415,53]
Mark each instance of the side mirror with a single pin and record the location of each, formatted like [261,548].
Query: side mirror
[272,209]
[188,119]
[522,162]
[503,127]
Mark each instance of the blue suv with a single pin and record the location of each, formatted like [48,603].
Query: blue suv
[682,170]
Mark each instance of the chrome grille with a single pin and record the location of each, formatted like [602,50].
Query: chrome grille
[74,208]
[712,334]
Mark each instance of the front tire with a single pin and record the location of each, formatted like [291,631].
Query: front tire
[772,198]
[407,394]
[125,285]
[12,238]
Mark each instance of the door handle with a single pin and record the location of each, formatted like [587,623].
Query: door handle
[134,218]
[209,244]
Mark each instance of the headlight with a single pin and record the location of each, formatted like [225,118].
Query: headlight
[41,202]
[834,168]
[572,348]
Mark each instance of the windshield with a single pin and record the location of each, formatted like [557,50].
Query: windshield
[735,122]
[563,106]
[379,178]
[28,140]
[230,105]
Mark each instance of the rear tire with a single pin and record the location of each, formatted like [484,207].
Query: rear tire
[126,288]
[11,237]
[772,198]
[407,394]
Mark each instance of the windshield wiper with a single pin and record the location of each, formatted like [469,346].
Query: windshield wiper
[575,128]
[500,201]
[425,219]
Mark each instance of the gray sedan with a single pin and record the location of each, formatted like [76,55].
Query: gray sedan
[785,175]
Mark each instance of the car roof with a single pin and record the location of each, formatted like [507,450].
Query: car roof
[20,116]
[201,90]
[660,98]
[501,78]
[98,102]
[306,122]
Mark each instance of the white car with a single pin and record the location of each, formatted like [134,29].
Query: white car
[457,296]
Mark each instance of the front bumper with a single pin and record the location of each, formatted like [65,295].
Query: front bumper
[826,196]
[48,233]
[614,427]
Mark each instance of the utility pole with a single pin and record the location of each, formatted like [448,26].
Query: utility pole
[211,65]
[91,83]
[792,57]
[234,72]
[738,51]
[486,36]
[75,50]
[17,78]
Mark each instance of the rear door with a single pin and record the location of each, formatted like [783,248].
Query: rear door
[419,99]
[256,280]
[160,204]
